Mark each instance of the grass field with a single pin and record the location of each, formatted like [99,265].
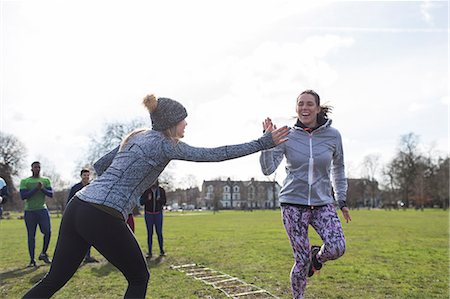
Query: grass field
[390,254]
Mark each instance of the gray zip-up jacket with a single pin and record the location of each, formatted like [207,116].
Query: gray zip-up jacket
[125,175]
[310,159]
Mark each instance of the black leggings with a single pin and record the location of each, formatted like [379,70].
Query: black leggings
[82,226]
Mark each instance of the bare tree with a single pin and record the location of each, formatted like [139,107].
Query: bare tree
[442,188]
[403,169]
[166,178]
[12,155]
[191,181]
[370,165]
[110,137]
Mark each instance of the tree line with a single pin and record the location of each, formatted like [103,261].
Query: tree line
[411,179]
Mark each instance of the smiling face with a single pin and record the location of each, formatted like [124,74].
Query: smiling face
[35,169]
[307,110]
[85,176]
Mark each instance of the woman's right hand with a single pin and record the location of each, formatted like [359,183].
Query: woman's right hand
[268,126]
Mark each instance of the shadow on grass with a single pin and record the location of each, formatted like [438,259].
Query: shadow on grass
[106,268]
[156,262]
[24,271]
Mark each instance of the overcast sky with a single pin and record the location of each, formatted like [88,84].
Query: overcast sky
[69,67]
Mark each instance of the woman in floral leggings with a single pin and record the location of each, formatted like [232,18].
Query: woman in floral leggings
[313,152]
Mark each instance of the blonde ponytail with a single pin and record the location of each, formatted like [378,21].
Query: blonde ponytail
[150,102]
[129,136]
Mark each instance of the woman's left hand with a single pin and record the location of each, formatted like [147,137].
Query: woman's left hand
[279,135]
[346,214]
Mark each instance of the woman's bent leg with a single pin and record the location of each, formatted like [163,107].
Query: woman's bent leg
[327,224]
[69,252]
[115,241]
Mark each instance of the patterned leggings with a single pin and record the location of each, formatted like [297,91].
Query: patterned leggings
[325,221]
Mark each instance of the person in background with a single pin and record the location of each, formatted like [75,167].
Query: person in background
[96,215]
[313,152]
[33,191]
[85,175]
[3,195]
[154,200]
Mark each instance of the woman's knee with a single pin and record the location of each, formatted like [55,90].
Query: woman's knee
[140,278]
[336,250]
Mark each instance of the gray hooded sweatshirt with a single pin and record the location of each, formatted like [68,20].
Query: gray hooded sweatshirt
[124,175]
[310,159]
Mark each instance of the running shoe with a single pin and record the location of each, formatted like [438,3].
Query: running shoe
[44,257]
[314,264]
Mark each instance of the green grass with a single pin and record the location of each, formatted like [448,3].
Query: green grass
[390,254]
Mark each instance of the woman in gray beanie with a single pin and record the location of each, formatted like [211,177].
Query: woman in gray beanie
[96,214]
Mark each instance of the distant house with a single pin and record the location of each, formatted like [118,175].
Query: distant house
[186,199]
[230,194]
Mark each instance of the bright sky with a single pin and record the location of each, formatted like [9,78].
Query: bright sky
[68,67]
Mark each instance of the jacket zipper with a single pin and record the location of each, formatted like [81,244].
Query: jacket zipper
[310,168]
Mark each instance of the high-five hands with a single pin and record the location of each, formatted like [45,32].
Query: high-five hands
[268,126]
[278,135]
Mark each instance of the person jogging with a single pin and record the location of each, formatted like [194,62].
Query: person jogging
[313,151]
[96,215]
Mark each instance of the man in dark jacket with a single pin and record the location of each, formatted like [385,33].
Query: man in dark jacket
[154,200]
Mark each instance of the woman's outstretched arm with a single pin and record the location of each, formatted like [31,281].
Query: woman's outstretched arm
[183,151]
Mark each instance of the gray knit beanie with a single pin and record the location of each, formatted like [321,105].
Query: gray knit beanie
[167,114]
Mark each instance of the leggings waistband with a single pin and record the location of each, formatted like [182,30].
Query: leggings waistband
[106,209]
[283,204]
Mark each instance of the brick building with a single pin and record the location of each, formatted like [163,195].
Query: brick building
[231,194]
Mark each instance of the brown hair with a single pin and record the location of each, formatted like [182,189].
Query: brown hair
[324,109]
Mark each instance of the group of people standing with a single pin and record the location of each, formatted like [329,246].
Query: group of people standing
[97,214]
